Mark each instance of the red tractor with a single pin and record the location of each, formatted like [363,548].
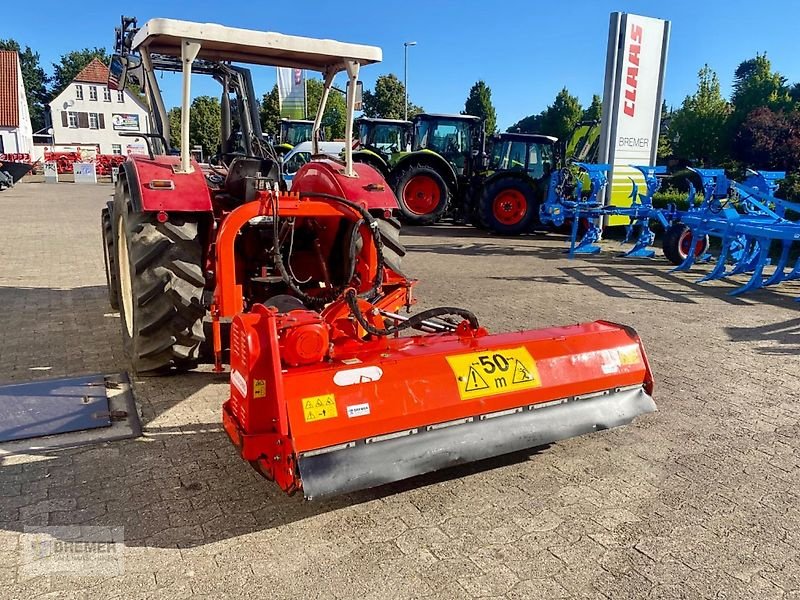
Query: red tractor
[326,396]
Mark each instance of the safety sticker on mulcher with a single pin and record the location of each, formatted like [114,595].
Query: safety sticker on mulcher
[318,408]
[492,372]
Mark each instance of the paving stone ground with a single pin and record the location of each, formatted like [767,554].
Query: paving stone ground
[699,500]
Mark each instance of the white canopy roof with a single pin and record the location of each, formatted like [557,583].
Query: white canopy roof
[163,36]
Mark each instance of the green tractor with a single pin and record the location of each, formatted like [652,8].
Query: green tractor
[516,182]
[381,142]
[293,132]
[519,172]
[438,176]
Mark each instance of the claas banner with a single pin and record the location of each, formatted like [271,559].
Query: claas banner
[292,93]
[635,66]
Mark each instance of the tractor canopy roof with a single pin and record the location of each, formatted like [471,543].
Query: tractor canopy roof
[528,137]
[220,43]
[432,116]
[284,120]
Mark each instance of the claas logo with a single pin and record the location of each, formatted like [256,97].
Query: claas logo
[632,74]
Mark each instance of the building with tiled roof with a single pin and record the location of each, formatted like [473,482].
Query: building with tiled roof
[90,115]
[16,133]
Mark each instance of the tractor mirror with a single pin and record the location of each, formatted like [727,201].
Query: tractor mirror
[359,93]
[117,72]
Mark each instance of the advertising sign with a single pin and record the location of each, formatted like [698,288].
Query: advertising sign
[84,172]
[292,93]
[51,172]
[125,122]
[635,67]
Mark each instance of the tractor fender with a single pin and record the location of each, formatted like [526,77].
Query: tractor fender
[521,175]
[327,177]
[435,161]
[373,159]
[188,194]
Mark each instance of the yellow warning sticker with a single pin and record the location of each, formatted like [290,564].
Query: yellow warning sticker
[317,408]
[259,388]
[492,372]
[629,356]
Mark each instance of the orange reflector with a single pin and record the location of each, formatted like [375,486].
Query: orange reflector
[161,184]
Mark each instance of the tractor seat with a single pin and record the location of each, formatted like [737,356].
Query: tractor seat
[243,168]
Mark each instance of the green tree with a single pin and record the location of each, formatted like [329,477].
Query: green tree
[561,117]
[529,124]
[479,104]
[697,128]
[334,120]
[595,110]
[174,118]
[72,63]
[34,78]
[386,102]
[205,122]
[664,142]
[270,112]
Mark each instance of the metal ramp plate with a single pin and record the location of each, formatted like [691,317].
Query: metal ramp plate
[53,406]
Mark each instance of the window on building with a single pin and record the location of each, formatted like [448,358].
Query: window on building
[120,96]
[72,118]
[2,148]
[93,92]
[106,95]
[79,92]
[116,149]
[94,121]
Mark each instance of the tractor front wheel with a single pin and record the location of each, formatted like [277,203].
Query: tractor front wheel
[109,255]
[509,206]
[160,289]
[678,242]
[422,194]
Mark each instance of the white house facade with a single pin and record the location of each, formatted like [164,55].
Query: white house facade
[88,113]
[16,133]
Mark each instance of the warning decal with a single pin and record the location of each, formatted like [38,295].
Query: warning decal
[492,372]
[317,408]
[259,388]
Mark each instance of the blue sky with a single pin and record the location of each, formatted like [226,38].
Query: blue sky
[526,51]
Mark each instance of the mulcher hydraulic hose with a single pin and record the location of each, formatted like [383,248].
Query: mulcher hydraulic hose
[350,295]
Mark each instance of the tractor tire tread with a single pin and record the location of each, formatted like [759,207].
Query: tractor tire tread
[399,181]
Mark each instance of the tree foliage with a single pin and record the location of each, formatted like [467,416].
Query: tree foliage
[479,104]
[34,78]
[174,118]
[334,120]
[697,128]
[270,113]
[386,101]
[595,110]
[558,119]
[72,63]
[205,123]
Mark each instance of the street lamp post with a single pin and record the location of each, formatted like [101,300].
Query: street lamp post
[405,76]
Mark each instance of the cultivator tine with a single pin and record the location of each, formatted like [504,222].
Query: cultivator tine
[760,260]
[718,272]
[779,274]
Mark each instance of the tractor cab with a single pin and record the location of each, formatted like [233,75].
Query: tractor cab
[385,137]
[532,154]
[456,138]
[293,132]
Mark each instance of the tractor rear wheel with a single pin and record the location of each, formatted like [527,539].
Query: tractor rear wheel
[393,249]
[422,194]
[678,242]
[161,284]
[109,255]
[509,206]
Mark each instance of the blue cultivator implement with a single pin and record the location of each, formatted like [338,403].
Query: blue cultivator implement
[567,202]
[747,218]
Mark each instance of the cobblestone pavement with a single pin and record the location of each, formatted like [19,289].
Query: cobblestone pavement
[699,500]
